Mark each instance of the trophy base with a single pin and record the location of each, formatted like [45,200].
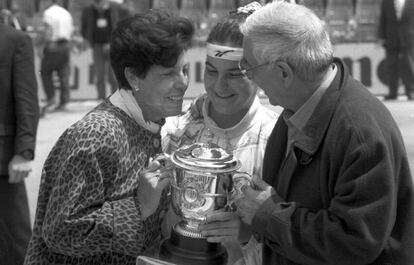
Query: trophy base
[185,250]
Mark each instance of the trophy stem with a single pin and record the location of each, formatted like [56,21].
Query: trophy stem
[184,228]
[186,250]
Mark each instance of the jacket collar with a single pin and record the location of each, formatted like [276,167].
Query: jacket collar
[314,130]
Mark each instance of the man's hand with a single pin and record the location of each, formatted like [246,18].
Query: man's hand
[152,181]
[248,205]
[221,226]
[19,169]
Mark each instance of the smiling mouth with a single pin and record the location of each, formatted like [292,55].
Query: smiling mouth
[176,98]
[224,96]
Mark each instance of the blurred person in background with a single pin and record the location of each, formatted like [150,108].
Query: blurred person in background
[101,198]
[396,34]
[97,22]
[55,59]
[19,115]
[337,187]
[20,16]
[230,115]
[9,18]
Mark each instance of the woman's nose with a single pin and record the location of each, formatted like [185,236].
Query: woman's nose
[220,84]
[182,81]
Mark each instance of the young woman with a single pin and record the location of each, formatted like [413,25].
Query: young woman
[230,115]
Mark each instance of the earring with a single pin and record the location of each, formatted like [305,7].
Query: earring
[136,88]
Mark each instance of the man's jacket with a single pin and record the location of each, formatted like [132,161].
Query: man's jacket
[19,106]
[345,193]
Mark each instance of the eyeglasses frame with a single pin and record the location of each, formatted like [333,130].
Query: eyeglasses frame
[245,71]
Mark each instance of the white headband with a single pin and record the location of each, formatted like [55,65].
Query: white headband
[224,52]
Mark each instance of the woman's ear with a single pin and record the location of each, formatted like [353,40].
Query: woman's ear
[132,79]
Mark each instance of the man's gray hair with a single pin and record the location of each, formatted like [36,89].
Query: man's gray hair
[291,33]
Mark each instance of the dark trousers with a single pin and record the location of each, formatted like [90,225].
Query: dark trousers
[56,58]
[103,70]
[400,64]
[15,230]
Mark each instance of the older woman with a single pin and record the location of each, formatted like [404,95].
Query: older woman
[231,116]
[101,201]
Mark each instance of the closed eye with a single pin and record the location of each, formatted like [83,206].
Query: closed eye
[168,73]
[236,74]
[211,70]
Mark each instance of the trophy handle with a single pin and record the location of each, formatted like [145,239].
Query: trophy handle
[239,180]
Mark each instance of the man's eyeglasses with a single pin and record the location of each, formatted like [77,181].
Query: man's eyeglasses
[245,70]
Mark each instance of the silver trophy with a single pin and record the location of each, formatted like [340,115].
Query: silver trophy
[205,179]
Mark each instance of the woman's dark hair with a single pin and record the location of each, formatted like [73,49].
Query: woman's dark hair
[227,30]
[143,40]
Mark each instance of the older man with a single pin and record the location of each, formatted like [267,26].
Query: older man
[337,186]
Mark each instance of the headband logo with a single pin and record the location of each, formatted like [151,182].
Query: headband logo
[221,53]
[224,52]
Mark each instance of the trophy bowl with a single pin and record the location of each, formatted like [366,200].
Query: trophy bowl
[205,179]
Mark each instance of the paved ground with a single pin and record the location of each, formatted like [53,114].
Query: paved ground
[52,125]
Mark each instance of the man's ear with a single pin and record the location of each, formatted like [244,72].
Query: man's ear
[284,71]
[132,78]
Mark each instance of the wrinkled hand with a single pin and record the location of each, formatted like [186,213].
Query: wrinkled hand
[152,181]
[221,226]
[19,169]
[253,199]
[163,160]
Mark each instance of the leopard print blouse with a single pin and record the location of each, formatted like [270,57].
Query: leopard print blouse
[87,209]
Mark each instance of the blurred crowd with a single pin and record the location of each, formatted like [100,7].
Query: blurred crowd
[347,20]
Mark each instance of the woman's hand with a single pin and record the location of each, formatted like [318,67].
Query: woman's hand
[152,181]
[221,226]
